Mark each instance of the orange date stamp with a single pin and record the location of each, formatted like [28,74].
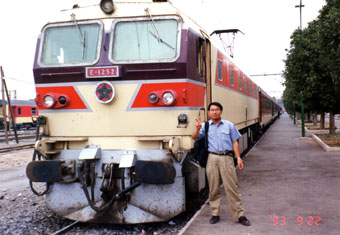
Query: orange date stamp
[300,221]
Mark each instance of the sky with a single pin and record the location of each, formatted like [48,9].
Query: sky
[267,26]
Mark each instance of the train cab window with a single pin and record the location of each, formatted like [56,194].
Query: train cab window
[19,111]
[145,40]
[219,70]
[79,44]
[231,77]
[34,111]
[240,82]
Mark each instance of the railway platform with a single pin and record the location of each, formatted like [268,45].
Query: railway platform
[289,185]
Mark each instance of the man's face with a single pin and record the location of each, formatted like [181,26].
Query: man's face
[215,112]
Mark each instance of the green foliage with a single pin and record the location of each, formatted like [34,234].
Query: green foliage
[312,66]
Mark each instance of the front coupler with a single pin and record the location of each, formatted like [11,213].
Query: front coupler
[111,175]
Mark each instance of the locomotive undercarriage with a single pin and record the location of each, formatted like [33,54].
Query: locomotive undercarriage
[112,186]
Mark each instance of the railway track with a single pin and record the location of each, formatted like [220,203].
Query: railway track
[28,136]
[15,147]
[20,137]
[65,229]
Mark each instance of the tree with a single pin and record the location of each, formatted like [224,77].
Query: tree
[312,67]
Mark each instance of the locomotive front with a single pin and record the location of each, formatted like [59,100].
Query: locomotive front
[117,91]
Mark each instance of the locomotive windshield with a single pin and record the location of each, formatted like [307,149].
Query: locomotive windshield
[69,44]
[145,41]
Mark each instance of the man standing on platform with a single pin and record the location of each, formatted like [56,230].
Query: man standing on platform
[222,140]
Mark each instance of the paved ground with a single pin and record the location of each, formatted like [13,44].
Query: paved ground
[289,185]
[13,171]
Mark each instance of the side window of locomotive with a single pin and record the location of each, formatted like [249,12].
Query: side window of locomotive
[231,77]
[200,59]
[70,44]
[145,41]
[240,82]
[219,70]
[19,111]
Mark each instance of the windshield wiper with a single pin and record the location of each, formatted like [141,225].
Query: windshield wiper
[158,37]
[161,40]
[81,37]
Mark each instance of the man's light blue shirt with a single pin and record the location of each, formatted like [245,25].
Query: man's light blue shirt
[221,137]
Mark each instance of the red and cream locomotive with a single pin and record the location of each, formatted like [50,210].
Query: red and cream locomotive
[119,86]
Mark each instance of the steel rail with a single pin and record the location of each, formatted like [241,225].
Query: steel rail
[17,147]
[2,139]
[65,229]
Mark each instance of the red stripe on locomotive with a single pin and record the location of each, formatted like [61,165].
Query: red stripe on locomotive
[188,94]
[75,100]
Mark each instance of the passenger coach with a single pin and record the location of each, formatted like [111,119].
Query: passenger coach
[25,113]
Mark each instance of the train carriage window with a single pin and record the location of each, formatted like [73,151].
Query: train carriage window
[34,111]
[231,77]
[19,111]
[246,85]
[219,70]
[70,44]
[145,41]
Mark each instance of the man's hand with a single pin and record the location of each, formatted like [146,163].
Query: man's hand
[198,123]
[240,163]
[198,127]
[236,148]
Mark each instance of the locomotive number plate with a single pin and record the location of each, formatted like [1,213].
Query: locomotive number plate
[102,72]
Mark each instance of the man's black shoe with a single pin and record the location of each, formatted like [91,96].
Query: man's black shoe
[243,220]
[214,219]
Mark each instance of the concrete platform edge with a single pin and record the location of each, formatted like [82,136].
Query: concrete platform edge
[193,218]
[323,145]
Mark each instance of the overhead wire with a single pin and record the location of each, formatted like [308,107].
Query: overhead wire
[18,80]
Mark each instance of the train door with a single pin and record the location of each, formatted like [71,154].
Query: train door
[208,75]
[260,107]
[204,70]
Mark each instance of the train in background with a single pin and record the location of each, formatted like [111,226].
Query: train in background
[119,85]
[25,114]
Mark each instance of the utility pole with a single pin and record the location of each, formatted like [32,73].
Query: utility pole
[302,100]
[300,6]
[3,104]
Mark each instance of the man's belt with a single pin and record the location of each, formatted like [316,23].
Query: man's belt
[230,153]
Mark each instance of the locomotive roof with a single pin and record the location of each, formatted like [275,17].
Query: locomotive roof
[21,102]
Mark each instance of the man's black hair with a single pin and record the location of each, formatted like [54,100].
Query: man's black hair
[216,104]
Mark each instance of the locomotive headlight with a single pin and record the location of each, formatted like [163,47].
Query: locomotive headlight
[153,98]
[107,6]
[169,97]
[49,101]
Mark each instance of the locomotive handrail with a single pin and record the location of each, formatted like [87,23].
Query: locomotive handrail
[36,155]
[61,74]
[248,120]
[150,70]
